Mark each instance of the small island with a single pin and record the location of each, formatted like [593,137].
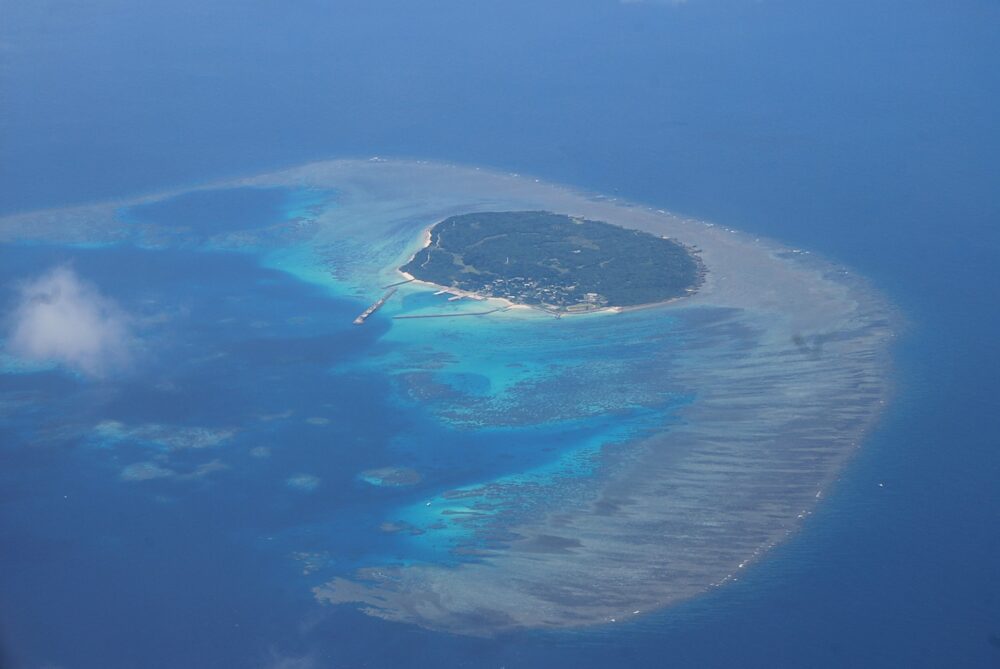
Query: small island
[553,261]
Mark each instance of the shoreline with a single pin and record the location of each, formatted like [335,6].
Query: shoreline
[426,236]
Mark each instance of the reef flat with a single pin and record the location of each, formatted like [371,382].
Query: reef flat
[635,459]
[784,355]
[558,262]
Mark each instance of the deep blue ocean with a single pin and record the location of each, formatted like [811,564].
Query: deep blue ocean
[863,131]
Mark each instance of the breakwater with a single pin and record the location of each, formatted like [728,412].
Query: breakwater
[363,316]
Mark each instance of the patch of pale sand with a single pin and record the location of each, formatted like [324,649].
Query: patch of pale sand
[303,482]
[319,421]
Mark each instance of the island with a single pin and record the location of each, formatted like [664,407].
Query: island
[553,261]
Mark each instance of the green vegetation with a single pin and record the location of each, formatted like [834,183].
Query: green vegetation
[552,260]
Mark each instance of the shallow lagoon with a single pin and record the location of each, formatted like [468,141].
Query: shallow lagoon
[572,472]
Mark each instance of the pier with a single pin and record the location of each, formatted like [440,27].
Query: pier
[363,316]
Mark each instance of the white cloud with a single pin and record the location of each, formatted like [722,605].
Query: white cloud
[147,471]
[653,2]
[279,660]
[169,437]
[303,482]
[62,318]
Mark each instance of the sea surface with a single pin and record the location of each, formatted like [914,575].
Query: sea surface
[861,132]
